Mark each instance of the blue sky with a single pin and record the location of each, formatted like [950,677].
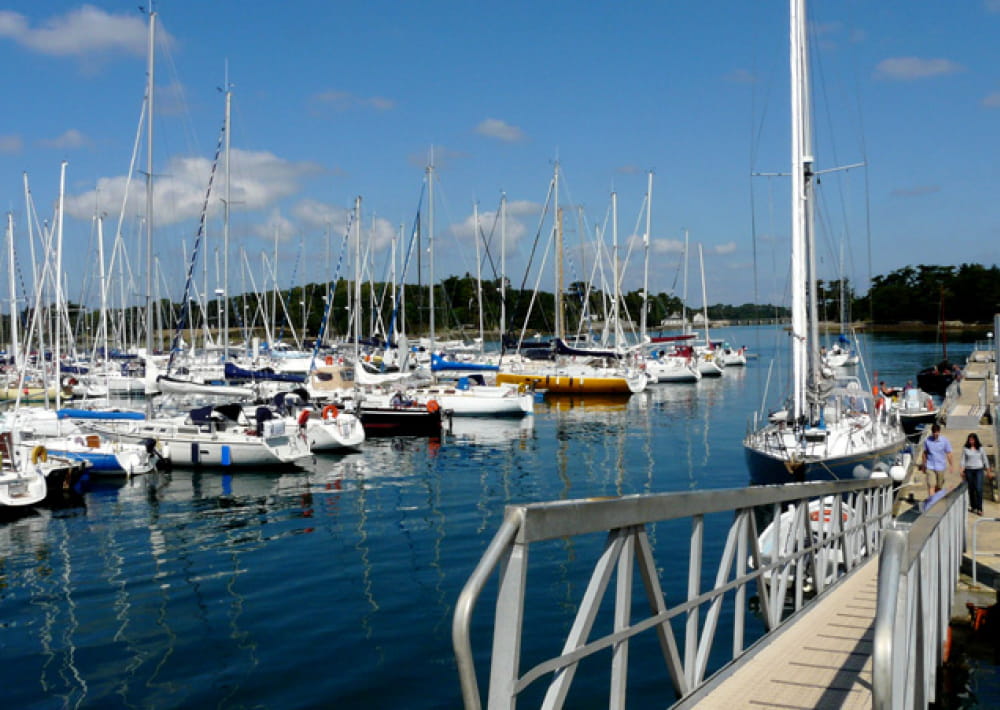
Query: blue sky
[337,100]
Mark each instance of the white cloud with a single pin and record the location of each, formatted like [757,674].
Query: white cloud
[727,248]
[83,32]
[68,140]
[516,228]
[276,225]
[319,215]
[260,179]
[501,130]
[666,246]
[909,68]
[992,100]
[11,144]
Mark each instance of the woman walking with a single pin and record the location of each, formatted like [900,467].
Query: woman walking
[975,464]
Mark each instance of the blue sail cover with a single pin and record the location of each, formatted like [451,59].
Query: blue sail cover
[438,364]
[98,414]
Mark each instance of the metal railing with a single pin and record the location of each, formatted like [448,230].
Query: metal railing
[918,569]
[975,553]
[826,530]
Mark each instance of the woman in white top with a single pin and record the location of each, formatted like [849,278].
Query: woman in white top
[975,463]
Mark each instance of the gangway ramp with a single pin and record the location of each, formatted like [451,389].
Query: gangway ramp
[821,660]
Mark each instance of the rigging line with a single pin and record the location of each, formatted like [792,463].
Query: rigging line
[488,256]
[331,290]
[414,238]
[186,304]
[516,305]
[291,287]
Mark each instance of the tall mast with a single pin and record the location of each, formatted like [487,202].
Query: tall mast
[104,285]
[57,352]
[704,296]
[614,265]
[684,298]
[357,281]
[225,229]
[479,275]
[503,266]
[803,339]
[559,256]
[430,243]
[149,201]
[645,263]
[12,286]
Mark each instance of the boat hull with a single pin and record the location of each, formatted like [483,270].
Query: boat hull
[767,469]
[402,421]
[344,433]
[566,384]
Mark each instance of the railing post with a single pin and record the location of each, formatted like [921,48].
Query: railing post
[507,628]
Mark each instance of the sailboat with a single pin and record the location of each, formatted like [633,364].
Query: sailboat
[573,370]
[829,429]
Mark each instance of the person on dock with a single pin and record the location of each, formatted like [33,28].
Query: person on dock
[936,460]
[975,465]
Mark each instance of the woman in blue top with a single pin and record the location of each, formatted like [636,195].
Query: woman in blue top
[975,463]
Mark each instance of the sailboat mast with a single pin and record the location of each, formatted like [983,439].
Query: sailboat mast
[643,324]
[614,265]
[357,280]
[479,275]
[225,231]
[684,298]
[503,265]
[559,255]
[704,296]
[430,244]
[104,285]
[57,341]
[149,200]
[801,174]
[12,285]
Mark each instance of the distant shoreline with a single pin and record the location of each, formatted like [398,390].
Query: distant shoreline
[910,327]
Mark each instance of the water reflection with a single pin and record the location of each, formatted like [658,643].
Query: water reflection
[490,431]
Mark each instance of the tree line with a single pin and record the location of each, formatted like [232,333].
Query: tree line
[920,294]
[923,294]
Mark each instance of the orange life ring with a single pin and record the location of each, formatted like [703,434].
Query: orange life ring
[330,411]
[433,406]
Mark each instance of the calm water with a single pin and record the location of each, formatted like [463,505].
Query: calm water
[334,586]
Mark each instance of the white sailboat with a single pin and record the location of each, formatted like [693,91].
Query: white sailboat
[829,429]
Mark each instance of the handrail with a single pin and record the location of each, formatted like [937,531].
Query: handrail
[460,636]
[918,569]
[827,547]
[975,546]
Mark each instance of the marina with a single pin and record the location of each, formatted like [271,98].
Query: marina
[188,588]
[299,421]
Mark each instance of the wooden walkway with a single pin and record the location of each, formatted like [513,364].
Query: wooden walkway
[821,660]
[824,658]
